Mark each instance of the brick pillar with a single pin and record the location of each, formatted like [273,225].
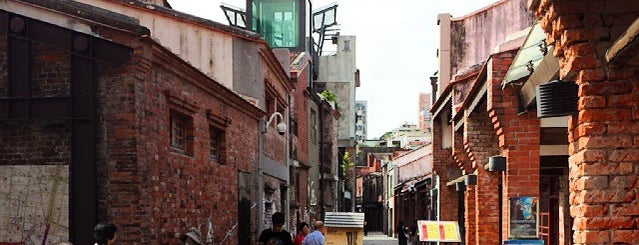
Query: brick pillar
[443,165]
[481,143]
[470,214]
[604,160]
[461,160]
[518,136]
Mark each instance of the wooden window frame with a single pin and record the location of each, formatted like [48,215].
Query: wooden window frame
[217,144]
[187,133]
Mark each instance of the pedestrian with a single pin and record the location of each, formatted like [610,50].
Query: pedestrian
[412,235]
[317,236]
[402,239]
[302,231]
[276,235]
[365,228]
[105,233]
[192,237]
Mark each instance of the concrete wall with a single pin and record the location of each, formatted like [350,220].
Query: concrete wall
[468,40]
[208,50]
[338,73]
[247,76]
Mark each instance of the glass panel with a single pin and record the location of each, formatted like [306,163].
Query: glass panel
[277,21]
[317,21]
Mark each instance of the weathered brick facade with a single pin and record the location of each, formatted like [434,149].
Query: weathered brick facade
[517,135]
[299,128]
[603,136]
[480,143]
[444,167]
[152,190]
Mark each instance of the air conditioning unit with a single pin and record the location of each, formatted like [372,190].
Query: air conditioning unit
[556,98]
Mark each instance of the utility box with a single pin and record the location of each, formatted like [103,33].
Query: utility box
[344,228]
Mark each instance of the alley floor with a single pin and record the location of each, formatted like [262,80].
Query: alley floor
[378,238]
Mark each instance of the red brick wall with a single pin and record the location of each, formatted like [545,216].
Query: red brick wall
[603,137]
[470,214]
[443,162]
[299,113]
[29,147]
[518,135]
[152,193]
[187,190]
[481,143]
[463,163]
[37,142]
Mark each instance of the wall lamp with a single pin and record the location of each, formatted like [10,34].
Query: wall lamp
[460,186]
[281,127]
[496,164]
[470,179]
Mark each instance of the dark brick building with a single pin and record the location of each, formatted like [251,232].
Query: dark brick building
[112,125]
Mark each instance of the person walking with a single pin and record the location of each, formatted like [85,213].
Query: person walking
[302,231]
[402,239]
[276,235]
[317,236]
[105,233]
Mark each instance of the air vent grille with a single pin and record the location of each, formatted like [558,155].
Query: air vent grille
[556,98]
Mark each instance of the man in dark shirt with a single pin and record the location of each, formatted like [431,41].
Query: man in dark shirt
[276,235]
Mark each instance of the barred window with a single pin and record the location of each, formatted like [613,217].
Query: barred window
[178,132]
[217,145]
[181,133]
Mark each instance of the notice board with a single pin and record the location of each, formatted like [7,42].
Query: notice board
[438,231]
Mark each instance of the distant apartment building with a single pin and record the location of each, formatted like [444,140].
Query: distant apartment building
[407,136]
[361,121]
[424,112]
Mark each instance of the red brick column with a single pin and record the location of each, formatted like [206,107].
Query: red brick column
[481,143]
[470,214]
[461,160]
[518,136]
[604,159]
[442,164]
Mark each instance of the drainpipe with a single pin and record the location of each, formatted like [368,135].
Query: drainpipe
[288,161]
[321,169]
[260,180]
[500,190]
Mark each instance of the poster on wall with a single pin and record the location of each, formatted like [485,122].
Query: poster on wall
[523,217]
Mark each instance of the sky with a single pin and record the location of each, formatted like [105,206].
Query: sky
[396,49]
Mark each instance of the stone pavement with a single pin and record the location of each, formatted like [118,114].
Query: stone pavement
[378,238]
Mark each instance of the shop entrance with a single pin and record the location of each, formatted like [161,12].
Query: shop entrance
[554,219]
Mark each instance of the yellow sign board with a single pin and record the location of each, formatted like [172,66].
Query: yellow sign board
[438,231]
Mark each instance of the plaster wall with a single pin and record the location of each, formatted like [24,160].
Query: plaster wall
[207,49]
[338,73]
[414,164]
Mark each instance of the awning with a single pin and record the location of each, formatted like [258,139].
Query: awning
[529,55]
